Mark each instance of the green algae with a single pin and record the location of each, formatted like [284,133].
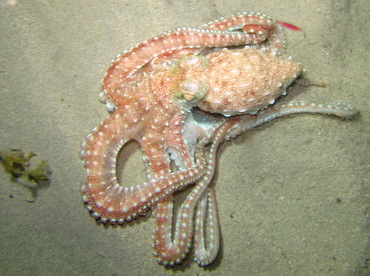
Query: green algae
[19,166]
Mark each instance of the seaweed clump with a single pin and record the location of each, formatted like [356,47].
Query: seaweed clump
[18,165]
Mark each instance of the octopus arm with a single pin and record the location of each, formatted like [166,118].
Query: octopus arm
[104,197]
[129,62]
[171,249]
[340,110]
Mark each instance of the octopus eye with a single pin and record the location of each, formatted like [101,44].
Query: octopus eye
[190,86]
[192,91]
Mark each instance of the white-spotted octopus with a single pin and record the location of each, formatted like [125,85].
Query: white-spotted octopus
[180,95]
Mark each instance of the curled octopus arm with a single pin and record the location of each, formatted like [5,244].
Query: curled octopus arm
[231,128]
[107,199]
[171,249]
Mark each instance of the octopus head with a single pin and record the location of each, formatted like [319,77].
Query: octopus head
[232,82]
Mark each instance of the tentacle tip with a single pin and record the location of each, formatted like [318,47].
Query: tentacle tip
[345,111]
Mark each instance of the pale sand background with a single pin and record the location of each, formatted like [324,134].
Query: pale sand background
[277,185]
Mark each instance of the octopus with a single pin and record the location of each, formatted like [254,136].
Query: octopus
[180,95]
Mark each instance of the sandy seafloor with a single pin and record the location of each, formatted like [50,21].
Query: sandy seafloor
[292,194]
